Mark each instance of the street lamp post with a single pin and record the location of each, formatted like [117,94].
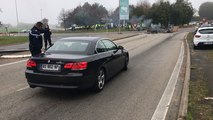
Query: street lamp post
[16,12]
[119,22]
[41,14]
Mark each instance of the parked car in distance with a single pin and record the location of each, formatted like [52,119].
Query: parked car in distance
[76,27]
[25,31]
[203,37]
[77,62]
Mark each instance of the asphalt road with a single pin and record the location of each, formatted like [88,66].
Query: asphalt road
[131,95]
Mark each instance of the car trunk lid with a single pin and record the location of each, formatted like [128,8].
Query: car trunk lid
[55,63]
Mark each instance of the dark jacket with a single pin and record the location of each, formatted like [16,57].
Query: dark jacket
[47,33]
[35,39]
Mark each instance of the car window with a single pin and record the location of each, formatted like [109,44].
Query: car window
[100,47]
[206,31]
[109,45]
[69,46]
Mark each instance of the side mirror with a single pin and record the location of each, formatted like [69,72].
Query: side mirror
[120,47]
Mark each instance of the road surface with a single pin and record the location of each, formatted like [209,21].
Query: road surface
[134,94]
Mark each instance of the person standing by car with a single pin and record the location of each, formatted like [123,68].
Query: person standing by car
[35,39]
[47,36]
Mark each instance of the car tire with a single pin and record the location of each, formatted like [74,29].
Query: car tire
[195,47]
[100,81]
[32,86]
[126,63]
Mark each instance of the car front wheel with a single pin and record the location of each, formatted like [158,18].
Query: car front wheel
[126,63]
[195,47]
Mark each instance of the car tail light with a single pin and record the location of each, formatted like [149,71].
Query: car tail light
[197,36]
[68,65]
[76,66]
[31,63]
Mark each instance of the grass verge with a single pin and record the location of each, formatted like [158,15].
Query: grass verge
[8,40]
[198,107]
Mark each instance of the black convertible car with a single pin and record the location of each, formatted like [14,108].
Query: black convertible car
[77,62]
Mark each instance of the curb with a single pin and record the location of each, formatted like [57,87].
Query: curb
[185,93]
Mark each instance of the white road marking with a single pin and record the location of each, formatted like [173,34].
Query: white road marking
[163,106]
[12,63]
[16,56]
[208,98]
[26,87]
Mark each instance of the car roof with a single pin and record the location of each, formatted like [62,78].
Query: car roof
[86,38]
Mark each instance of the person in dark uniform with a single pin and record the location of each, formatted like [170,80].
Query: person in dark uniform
[35,39]
[47,37]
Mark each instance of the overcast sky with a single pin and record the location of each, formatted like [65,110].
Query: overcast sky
[29,11]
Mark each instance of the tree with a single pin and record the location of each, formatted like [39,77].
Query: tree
[142,8]
[85,15]
[182,12]
[114,16]
[99,12]
[206,10]
[179,13]
[63,18]
[160,12]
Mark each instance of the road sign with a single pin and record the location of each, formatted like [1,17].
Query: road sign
[124,9]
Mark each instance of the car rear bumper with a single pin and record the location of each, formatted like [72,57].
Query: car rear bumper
[72,80]
[209,43]
[202,42]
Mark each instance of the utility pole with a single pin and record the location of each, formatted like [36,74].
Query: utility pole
[0,21]
[16,12]
[64,18]
[41,14]
[123,12]
[119,23]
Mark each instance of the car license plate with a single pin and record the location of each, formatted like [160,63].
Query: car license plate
[208,43]
[50,67]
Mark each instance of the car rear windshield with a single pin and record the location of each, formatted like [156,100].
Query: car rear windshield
[66,46]
[206,31]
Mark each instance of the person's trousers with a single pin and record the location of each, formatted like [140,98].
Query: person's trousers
[47,40]
[35,52]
